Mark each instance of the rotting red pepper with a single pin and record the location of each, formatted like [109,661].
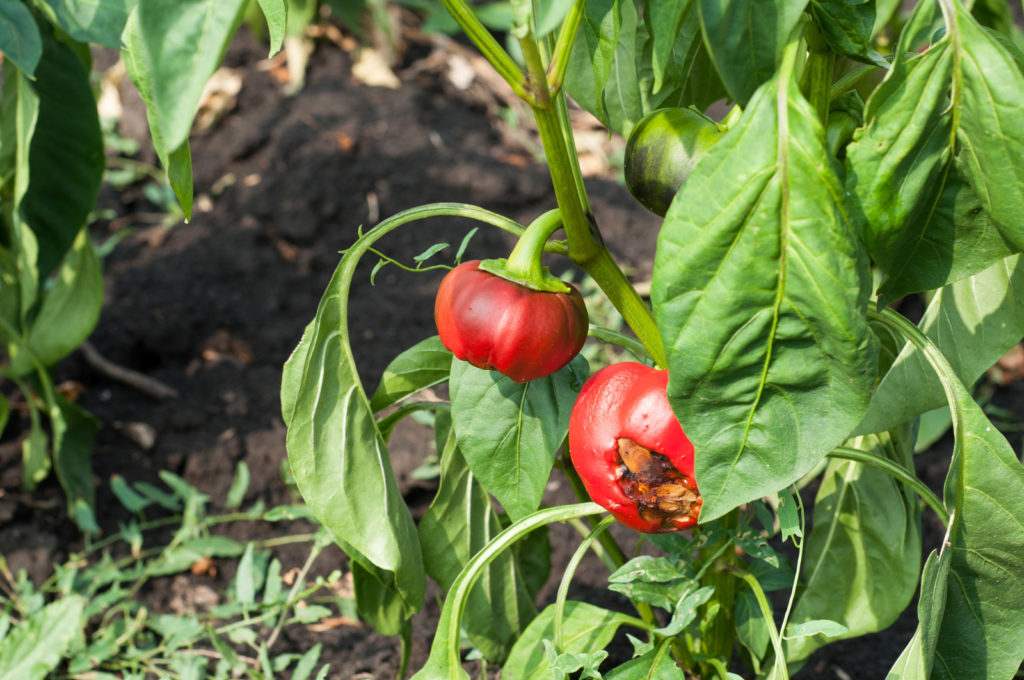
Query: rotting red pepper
[630,450]
[495,323]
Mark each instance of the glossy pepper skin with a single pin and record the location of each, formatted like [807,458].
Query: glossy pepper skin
[494,323]
[630,451]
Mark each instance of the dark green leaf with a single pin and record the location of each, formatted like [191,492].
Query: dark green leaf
[973,322]
[955,240]
[74,431]
[760,290]
[745,40]
[378,601]
[585,628]
[665,24]
[509,432]
[424,364]
[92,21]
[982,631]
[340,462]
[751,628]
[70,308]
[19,36]
[863,554]
[35,646]
[457,525]
[592,56]
[847,26]
[66,159]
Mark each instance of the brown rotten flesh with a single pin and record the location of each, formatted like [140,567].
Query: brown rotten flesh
[662,493]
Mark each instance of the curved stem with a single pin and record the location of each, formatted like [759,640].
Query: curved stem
[570,571]
[781,671]
[563,46]
[896,471]
[620,339]
[525,258]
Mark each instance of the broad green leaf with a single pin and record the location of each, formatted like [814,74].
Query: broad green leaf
[19,36]
[424,364]
[955,240]
[745,39]
[378,602]
[751,628]
[847,26]
[991,116]
[898,164]
[337,455]
[549,15]
[665,21]
[91,21]
[70,308]
[760,290]
[35,646]
[170,74]
[973,322]
[982,631]
[74,432]
[509,432]
[457,525]
[276,14]
[863,554]
[585,628]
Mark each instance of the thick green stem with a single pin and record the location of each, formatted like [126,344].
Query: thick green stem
[721,633]
[525,259]
[819,71]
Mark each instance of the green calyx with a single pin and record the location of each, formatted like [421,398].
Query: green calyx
[523,265]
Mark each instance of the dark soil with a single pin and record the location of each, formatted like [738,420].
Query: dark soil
[213,308]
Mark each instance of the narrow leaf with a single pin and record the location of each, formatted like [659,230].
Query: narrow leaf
[276,14]
[423,365]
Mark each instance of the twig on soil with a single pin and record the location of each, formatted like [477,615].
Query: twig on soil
[143,383]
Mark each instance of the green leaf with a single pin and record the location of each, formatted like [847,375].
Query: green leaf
[667,20]
[955,240]
[239,485]
[823,627]
[423,365]
[339,459]
[170,74]
[245,590]
[276,14]
[915,663]
[35,459]
[898,164]
[973,322]
[991,131]
[129,498]
[656,664]
[863,554]
[509,432]
[760,289]
[91,21]
[35,646]
[19,36]
[549,15]
[847,26]
[307,662]
[69,309]
[457,525]
[74,432]
[585,628]
[593,53]
[745,40]
[982,631]
[66,161]
[751,629]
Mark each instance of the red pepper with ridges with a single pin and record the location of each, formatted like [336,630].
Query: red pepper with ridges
[630,450]
[494,323]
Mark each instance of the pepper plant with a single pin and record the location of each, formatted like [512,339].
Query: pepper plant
[867,156]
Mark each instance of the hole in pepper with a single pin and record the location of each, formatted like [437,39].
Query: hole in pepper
[662,493]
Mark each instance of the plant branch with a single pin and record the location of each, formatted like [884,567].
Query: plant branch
[488,46]
[563,46]
[896,471]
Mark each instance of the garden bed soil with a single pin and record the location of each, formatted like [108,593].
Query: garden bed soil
[212,308]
